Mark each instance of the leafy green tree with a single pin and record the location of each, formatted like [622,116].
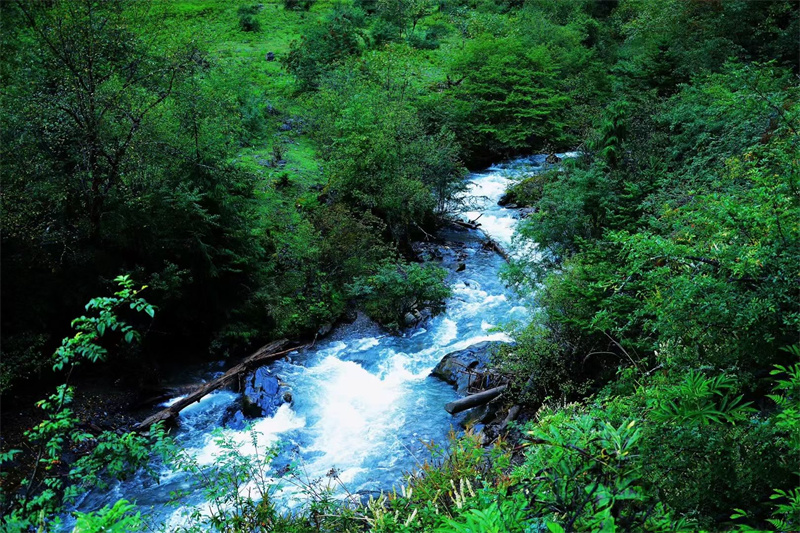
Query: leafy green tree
[247,19]
[404,14]
[101,82]
[666,43]
[325,46]
[118,147]
[395,290]
[380,157]
[511,94]
[55,480]
[79,96]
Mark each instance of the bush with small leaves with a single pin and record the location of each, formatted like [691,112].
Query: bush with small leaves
[248,20]
[55,480]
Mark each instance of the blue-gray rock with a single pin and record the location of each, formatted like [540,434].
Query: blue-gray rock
[234,419]
[262,393]
[458,368]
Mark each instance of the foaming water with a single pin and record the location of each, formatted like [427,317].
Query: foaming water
[486,189]
[269,430]
[363,401]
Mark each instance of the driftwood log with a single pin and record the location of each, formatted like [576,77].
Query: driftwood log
[474,400]
[265,354]
[513,413]
[468,225]
[490,242]
[494,245]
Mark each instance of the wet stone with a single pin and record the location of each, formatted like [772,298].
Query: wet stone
[459,368]
[262,394]
[234,419]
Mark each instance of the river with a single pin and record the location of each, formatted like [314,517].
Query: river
[363,400]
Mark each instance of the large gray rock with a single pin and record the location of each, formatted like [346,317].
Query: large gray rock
[507,198]
[262,393]
[458,368]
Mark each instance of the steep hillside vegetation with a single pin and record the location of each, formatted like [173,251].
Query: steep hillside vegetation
[264,169]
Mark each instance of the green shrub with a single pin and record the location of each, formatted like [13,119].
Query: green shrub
[384,31]
[423,41]
[325,46]
[119,518]
[57,477]
[587,470]
[248,20]
[396,289]
[461,480]
[249,463]
[305,5]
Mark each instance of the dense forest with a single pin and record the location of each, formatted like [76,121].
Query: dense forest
[235,173]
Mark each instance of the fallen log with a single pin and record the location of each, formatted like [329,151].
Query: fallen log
[162,395]
[263,355]
[474,400]
[494,245]
[490,242]
[468,225]
[513,413]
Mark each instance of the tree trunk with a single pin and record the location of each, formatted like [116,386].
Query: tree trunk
[265,354]
[490,243]
[474,400]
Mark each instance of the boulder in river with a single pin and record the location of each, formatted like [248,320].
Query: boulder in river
[552,159]
[459,368]
[262,393]
[506,199]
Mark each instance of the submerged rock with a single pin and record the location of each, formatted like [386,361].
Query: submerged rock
[480,417]
[234,419]
[448,255]
[460,368]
